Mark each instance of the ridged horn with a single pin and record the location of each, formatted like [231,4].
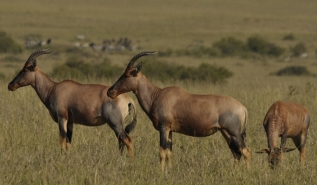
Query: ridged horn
[136,57]
[34,55]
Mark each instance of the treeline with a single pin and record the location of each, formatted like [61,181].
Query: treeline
[232,47]
[164,71]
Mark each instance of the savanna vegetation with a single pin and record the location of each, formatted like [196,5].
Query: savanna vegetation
[255,51]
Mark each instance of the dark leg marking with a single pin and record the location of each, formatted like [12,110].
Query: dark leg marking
[69,131]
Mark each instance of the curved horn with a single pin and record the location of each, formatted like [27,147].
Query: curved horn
[37,53]
[136,57]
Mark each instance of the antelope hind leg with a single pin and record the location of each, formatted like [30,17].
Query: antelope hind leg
[128,142]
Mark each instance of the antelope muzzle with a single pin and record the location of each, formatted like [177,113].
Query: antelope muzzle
[12,86]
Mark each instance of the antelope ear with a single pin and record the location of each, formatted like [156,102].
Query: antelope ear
[289,149]
[265,150]
[31,65]
[137,69]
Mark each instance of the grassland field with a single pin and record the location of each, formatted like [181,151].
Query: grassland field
[29,140]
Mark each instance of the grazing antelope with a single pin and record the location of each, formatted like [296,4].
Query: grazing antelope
[285,120]
[70,102]
[172,109]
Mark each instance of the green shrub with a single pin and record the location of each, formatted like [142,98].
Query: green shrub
[164,71]
[8,45]
[230,46]
[298,49]
[289,37]
[197,51]
[76,68]
[2,76]
[13,58]
[258,45]
[168,52]
[293,71]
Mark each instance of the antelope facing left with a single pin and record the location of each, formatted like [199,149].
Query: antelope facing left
[70,102]
[172,109]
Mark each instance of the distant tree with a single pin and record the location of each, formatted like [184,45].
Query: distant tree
[8,45]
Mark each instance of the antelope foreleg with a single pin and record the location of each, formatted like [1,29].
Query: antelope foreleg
[62,123]
[165,146]
[162,157]
[169,149]
[302,156]
[69,135]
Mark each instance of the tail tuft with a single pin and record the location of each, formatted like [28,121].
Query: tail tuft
[132,125]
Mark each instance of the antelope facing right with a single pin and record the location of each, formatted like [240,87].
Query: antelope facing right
[172,109]
[70,102]
[285,120]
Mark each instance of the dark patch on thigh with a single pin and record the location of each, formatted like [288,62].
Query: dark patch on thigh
[230,122]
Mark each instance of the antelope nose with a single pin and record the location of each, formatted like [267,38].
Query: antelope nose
[109,92]
[10,87]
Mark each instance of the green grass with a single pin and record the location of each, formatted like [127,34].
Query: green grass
[29,141]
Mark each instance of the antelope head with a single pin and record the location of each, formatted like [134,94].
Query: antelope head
[275,155]
[127,82]
[26,76]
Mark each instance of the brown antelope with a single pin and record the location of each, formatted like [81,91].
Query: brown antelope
[172,109]
[285,120]
[70,102]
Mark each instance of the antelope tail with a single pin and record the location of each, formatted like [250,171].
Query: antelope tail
[131,126]
[243,130]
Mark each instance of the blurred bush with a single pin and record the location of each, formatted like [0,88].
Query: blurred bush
[12,58]
[197,51]
[164,71]
[2,76]
[8,45]
[298,49]
[289,37]
[293,71]
[76,68]
[259,45]
[230,46]
[166,53]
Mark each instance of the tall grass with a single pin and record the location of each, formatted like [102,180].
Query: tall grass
[30,154]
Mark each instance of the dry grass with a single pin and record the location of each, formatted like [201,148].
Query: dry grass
[30,151]
[29,148]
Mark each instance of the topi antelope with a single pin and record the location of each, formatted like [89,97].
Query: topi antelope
[285,120]
[70,102]
[172,109]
